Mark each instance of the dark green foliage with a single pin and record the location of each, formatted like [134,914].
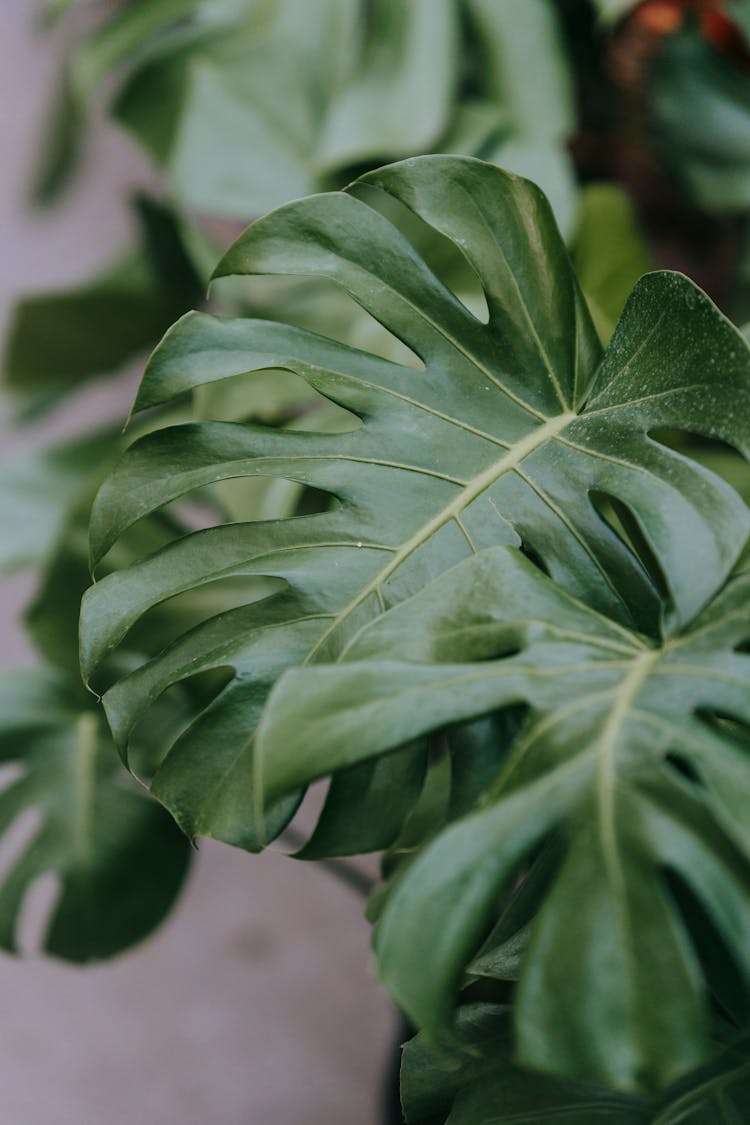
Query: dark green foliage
[52,349]
[118,859]
[596,711]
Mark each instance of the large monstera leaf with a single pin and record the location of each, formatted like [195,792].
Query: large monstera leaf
[118,858]
[500,436]
[631,753]
[251,103]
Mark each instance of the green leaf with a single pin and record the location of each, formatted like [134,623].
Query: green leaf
[262,166]
[739,12]
[501,954]
[383,797]
[701,106]
[431,1077]
[62,141]
[612,10]
[37,490]
[150,101]
[409,60]
[59,340]
[538,98]
[473,1081]
[501,438]
[617,725]
[122,36]
[301,88]
[717,1094]
[55,9]
[248,105]
[547,163]
[118,859]
[610,253]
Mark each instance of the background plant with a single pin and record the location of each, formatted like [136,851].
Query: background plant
[197,66]
[515,430]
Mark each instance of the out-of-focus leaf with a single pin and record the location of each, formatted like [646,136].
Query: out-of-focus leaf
[150,101]
[528,112]
[118,857]
[249,105]
[61,143]
[612,10]
[472,1080]
[538,96]
[610,253]
[701,105]
[547,163]
[37,490]
[398,95]
[739,12]
[59,340]
[56,9]
[234,106]
[501,955]
[228,159]
[118,38]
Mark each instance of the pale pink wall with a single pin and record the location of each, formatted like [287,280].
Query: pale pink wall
[254,1005]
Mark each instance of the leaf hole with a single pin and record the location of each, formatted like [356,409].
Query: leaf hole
[714,954]
[621,520]
[534,558]
[444,257]
[175,616]
[683,767]
[318,305]
[501,954]
[718,456]
[273,397]
[170,716]
[479,749]
[725,725]
[312,501]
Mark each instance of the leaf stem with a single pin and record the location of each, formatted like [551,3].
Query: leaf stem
[346,873]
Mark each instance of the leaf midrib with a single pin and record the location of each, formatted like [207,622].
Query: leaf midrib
[606,748]
[452,511]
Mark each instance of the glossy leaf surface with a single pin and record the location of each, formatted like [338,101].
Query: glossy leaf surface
[499,439]
[627,755]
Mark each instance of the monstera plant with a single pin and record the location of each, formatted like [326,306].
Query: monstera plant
[484,575]
[505,611]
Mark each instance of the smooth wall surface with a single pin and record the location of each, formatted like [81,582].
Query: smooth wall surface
[254,1005]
